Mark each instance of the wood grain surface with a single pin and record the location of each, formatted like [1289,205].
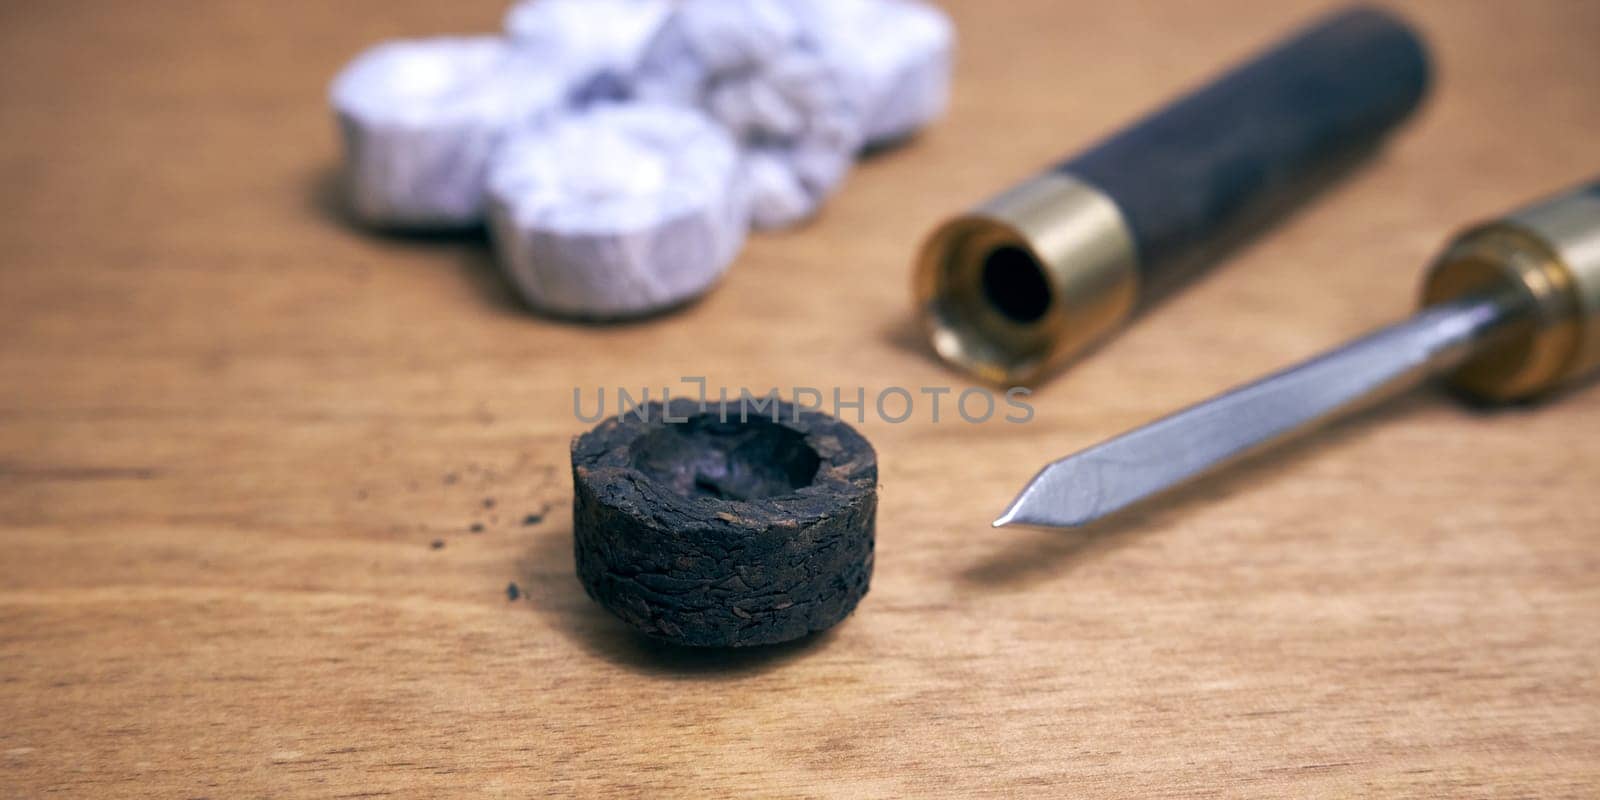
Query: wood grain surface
[233,429]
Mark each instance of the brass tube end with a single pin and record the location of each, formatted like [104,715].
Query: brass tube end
[1028,280]
[1550,255]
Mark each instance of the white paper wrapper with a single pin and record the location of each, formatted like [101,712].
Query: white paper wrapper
[777,198]
[753,66]
[595,39]
[421,119]
[896,54]
[618,211]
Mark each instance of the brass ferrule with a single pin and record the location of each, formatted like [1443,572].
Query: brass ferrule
[1028,280]
[1549,254]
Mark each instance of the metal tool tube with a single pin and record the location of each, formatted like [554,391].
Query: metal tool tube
[1042,272]
[1548,254]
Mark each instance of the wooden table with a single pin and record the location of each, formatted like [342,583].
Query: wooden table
[233,428]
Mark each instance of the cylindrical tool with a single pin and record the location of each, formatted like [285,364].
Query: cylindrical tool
[1547,257]
[1040,273]
[1511,310]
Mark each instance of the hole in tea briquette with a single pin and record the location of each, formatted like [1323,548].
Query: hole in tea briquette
[733,460]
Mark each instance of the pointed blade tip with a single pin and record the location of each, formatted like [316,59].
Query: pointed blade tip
[1009,516]
[1012,518]
[1019,513]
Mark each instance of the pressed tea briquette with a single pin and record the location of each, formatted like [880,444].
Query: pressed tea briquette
[725,532]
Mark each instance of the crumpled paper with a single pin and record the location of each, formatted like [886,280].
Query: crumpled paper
[753,66]
[618,211]
[896,54]
[600,41]
[422,118]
